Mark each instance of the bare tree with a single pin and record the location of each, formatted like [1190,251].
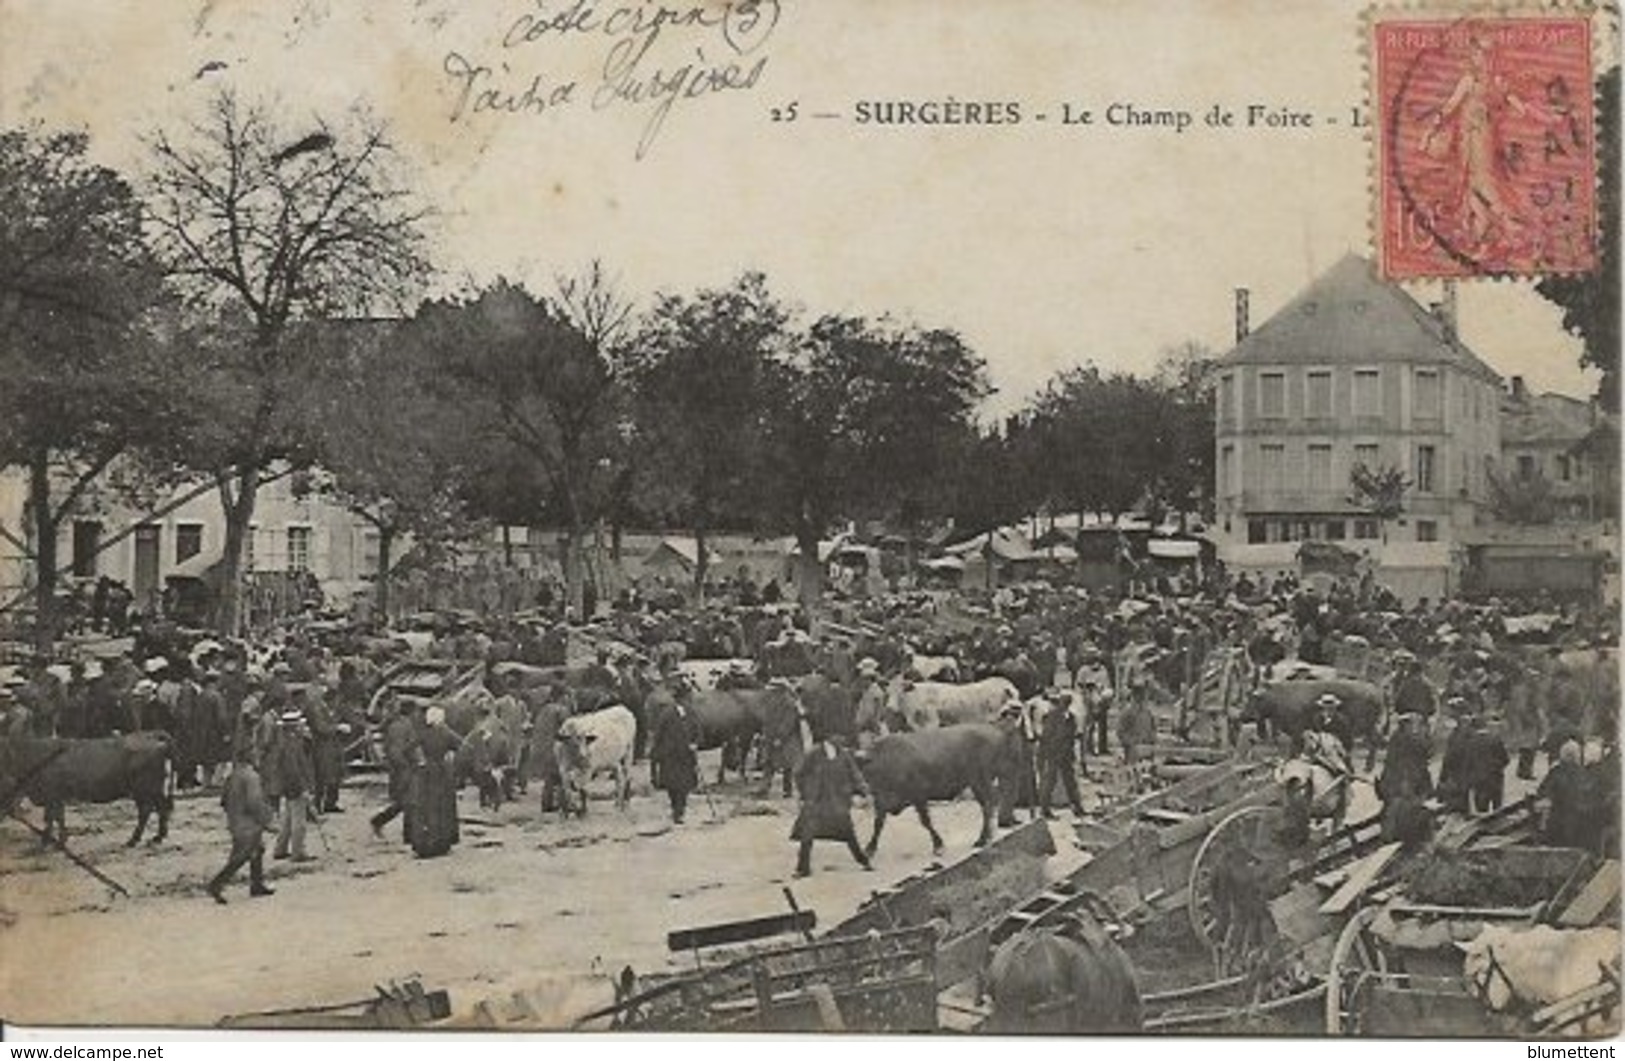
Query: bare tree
[270,229]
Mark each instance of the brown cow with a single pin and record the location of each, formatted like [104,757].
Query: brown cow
[55,771]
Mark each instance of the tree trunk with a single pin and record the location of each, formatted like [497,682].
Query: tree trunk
[570,560]
[239,511]
[809,570]
[386,545]
[507,547]
[701,564]
[39,502]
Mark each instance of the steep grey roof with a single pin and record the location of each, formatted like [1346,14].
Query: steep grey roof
[1347,315]
[1548,418]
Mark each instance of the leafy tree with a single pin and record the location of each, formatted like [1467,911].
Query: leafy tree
[267,228]
[1590,302]
[541,392]
[1105,439]
[1379,491]
[1525,499]
[697,369]
[1186,377]
[853,424]
[388,453]
[82,335]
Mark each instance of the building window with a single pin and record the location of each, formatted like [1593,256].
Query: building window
[1424,469]
[1320,467]
[371,548]
[1227,471]
[1227,397]
[188,541]
[1565,469]
[1367,392]
[1365,529]
[1256,532]
[1425,401]
[1367,454]
[87,544]
[298,548]
[1427,530]
[1336,530]
[1526,466]
[1320,395]
[1272,394]
[1271,465]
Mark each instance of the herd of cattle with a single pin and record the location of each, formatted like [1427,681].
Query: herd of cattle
[945,738]
[952,738]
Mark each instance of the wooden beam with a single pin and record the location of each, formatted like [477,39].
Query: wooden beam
[682,939]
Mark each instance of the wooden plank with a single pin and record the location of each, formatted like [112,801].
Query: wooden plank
[916,902]
[1579,1001]
[1298,917]
[1594,898]
[1360,878]
[740,931]
[962,957]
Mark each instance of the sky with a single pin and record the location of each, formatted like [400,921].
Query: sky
[1045,244]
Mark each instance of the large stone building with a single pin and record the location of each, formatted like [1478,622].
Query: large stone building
[1353,371]
[186,536]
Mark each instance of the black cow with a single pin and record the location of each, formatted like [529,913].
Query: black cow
[55,771]
[729,719]
[912,769]
[1289,708]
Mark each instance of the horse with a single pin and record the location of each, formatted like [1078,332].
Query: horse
[1068,979]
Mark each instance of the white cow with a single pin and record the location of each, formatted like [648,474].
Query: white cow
[933,668]
[1538,964]
[591,744]
[708,673]
[930,705]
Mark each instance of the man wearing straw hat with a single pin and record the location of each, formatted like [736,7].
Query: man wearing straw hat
[288,777]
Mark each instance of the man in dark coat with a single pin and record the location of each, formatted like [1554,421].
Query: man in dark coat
[674,762]
[1057,752]
[1566,791]
[1405,770]
[403,750]
[828,778]
[1487,761]
[1412,693]
[248,815]
[327,748]
[657,706]
[548,711]
[1456,766]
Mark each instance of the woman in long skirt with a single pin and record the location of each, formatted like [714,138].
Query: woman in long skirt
[434,812]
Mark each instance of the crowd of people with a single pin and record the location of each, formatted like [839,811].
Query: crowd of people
[1483,688]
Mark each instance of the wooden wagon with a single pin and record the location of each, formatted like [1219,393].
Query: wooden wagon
[875,982]
[1396,968]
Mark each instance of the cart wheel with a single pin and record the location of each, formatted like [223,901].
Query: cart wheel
[1354,959]
[1252,829]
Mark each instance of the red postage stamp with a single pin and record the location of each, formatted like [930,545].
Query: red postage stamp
[1486,151]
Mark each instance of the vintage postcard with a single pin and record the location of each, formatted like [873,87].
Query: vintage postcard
[1057,517]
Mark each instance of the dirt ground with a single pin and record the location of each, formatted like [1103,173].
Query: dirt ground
[525,903]
[521,902]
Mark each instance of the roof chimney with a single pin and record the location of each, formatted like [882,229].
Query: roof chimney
[1519,392]
[1446,311]
[1243,323]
